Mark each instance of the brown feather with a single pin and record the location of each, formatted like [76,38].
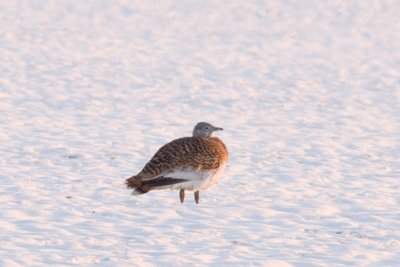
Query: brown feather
[197,152]
[133,182]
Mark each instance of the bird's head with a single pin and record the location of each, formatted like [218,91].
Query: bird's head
[204,129]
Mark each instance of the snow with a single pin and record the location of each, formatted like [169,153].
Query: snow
[307,92]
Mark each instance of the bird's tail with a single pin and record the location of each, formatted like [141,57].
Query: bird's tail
[135,183]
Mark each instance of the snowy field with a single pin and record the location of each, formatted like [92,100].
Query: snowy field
[308,93]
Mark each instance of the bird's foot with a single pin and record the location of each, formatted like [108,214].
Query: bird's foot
[182,195]
[197,196]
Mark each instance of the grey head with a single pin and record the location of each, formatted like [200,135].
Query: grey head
[204,129]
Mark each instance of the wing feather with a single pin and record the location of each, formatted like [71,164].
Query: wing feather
[195,153]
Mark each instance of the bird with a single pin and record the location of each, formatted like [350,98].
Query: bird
[189,163]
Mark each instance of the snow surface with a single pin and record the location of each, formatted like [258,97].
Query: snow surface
[308,93]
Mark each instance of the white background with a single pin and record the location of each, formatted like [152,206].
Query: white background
[308,93]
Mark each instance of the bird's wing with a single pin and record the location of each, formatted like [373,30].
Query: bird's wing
[186,155]
[163,181]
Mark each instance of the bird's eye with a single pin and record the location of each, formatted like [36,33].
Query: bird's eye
[206,128]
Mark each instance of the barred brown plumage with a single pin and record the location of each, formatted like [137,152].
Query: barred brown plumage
[188,163]
[197,152]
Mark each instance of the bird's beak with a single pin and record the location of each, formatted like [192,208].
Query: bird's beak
[218,129]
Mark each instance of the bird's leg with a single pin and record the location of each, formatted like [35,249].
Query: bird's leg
[197,196]
[182,195]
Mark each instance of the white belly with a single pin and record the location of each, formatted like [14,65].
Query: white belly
[197,179]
